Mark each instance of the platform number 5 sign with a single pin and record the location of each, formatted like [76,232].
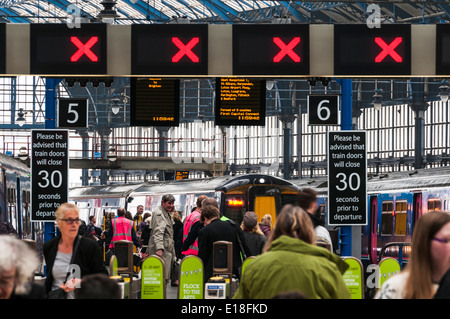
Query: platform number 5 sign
[72,113]
[323,109]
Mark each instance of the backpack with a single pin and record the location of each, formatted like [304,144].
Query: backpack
[83,228]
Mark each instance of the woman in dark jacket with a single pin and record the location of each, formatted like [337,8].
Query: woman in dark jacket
[58,253]
[254,237]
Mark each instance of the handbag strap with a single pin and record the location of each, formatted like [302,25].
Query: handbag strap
[244,256]
[72,259]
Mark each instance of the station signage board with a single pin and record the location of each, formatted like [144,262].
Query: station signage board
[154,102]
[169,49]
[153,285]
[240,101]
[72,113]
[58,49]
[49,172]
[442,49]
[323,109]
[347,182]
[271,49]
[181,175]
[359,50]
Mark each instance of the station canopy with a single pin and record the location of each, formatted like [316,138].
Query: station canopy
[223,11]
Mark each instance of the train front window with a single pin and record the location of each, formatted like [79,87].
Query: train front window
[235,207]
[288,199]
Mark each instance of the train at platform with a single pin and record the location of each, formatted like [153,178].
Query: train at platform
[15,200]
[394,202]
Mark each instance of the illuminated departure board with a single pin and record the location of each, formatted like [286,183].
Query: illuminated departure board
[240,101]
[154,102]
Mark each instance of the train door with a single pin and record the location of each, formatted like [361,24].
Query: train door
[373,229]
[265,205]
[264,200]
[417,208]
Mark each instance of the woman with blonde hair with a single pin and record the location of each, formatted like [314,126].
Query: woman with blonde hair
[253,236]
[266,225]
[293,263]
[430,259]
[70,252]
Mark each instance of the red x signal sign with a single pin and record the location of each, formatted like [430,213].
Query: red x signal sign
[388,49]
[286,49]
[84,49]
[185,49]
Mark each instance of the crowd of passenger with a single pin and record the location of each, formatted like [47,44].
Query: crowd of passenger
[293,256]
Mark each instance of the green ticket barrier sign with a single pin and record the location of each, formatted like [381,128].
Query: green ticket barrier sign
[353,278]
[246,262]
[153,284]
[388,267]
[191,278]
[113,266]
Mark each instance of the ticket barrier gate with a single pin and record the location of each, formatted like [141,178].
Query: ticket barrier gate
[121,266]
[222,285]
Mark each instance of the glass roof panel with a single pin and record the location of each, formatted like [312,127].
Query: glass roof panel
[149,11]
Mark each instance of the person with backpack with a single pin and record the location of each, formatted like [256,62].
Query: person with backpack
[93,231]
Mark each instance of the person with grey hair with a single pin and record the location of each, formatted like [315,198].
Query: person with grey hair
[17,265]
[161,241]
[58,251]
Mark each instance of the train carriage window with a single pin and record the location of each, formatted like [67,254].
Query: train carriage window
[387,218]
[434,204]
[400,217]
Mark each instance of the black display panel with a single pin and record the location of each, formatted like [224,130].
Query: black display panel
[154,102]
[359,50]
[2,48]
[169,49]
[72,113]
[240,101]
[271,49]
[58,49]
[323,109]
[442,49]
